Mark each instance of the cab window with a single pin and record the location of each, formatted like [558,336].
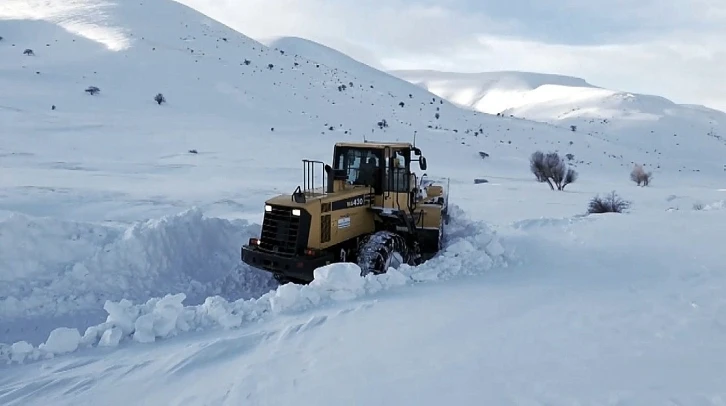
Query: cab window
[397,173]
[361,165]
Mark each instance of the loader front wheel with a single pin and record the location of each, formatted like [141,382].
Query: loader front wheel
[382,250]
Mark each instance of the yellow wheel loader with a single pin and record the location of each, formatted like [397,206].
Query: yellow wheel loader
[369,209]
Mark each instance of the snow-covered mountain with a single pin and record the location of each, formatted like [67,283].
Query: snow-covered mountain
[568,101]
[650,124]
[549,97]
[248,113]
[121,221]
[320,53]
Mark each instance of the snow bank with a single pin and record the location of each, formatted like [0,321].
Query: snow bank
[32,247]
[720,205]
[470,248]
[50,267]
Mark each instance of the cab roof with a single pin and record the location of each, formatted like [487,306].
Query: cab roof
[374,144]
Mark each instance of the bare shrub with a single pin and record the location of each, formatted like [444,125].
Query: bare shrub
[639,176]
[537,166]
[611,203]
[159,98]
[92,90]
[550,168]
[697,206]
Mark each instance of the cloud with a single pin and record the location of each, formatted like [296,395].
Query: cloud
[673,48]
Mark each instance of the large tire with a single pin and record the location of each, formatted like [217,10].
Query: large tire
[381,250]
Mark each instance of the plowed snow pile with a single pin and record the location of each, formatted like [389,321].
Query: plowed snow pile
[471,248]
[720,205]
[55,269]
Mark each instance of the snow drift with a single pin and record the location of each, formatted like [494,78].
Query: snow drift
[471,248]
[51,267]
[719,205]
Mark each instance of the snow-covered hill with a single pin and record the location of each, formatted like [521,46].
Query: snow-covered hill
[550,97]
[652,125]
[120,279]
[625,117]
[320,53]
[107,166]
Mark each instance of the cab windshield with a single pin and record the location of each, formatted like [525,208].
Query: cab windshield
[362,166]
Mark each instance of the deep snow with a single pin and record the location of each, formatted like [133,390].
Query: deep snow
[472,248]
[119,249]
[652,123]
[578,315]
[63,269]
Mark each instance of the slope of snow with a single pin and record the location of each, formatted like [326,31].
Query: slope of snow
[320,53]
[69,269]
[527,92]
[97,188]
[119,249]
[580,315]
[652,125]
[471,248]
[643,121]
[237,116]
[89,19]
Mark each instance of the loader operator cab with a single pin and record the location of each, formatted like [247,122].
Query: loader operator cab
[362,166]
[385,168]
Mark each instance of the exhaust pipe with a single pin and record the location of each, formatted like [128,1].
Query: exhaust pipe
[336,179]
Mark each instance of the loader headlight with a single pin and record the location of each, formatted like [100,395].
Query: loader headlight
[296,212]
[268,208]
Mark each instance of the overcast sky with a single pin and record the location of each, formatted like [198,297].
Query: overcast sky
[672,48]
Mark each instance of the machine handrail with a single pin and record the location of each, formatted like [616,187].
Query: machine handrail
[309,176]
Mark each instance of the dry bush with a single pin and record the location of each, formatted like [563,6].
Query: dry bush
[550,168]
[639,176]
[611,203]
